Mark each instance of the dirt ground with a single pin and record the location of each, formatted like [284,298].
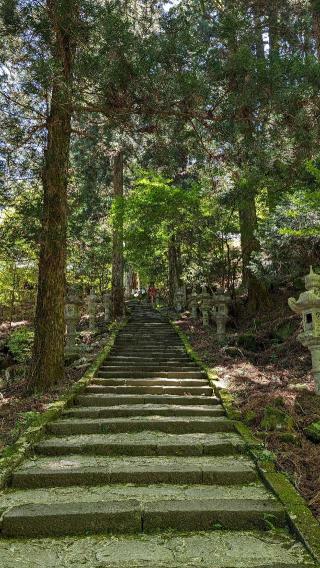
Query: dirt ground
[275,374]
[17,406]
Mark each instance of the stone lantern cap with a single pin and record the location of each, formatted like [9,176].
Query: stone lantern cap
[312,281]
[307,301]
[310,299]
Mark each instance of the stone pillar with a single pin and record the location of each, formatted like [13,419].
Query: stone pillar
[107,306]
[178,300]
[308,306]
[205,306]
[194,304]
[72,311]
[92,310]
[220,311]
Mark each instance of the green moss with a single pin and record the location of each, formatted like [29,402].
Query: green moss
[301,519]
[313,432]
[276,419]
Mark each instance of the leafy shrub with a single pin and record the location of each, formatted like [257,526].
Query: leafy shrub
[20,344]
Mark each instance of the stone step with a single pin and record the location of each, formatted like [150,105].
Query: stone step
[144,443]
[98,470]
[151,382]
[120,399]
[198,391]
[127,517]
[112,374]
[169,424]
[218,549]
[143,410]
[146,361]
[120,367]
[135,351]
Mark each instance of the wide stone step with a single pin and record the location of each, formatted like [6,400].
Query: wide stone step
[170,424]
[147,361]
[120,517]
[143,410]
[112,374]
[143,444]
[218,549]
[151,382]
[101,399]
[97,470]
[121,367]
[198,391]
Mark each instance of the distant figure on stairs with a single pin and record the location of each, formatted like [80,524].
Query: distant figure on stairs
[152,294]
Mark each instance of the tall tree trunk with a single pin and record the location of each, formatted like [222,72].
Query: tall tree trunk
[117,239]
[174,269]
[48,357]
[257,294]
[316,24]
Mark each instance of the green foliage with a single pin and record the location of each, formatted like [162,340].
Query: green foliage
[20,344]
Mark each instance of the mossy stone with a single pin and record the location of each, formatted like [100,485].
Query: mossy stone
[313,432]
[275,419]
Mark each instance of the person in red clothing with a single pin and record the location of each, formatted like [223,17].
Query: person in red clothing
[152,293]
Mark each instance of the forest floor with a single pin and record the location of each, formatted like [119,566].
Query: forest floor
[17,406]
[268,372]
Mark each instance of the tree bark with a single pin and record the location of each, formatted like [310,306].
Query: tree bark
[117,292]
[257,293]
[174,269]
[316,24]
[48,356]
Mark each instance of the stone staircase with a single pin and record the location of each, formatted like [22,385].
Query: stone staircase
[148,448]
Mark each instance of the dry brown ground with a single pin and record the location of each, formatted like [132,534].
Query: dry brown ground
[274,375]
[15,401]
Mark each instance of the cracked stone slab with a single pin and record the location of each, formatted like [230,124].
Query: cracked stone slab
[218,549]
[144,443]
[96,470]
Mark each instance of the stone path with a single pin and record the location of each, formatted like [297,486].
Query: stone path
[144,470]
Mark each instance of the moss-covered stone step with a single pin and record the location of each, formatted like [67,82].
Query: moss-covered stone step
[101,399]
[218,549]
[170,424]
[146,361]
[176,374]
[153,390]
[130,516]
[153,381]
[142,493]
[143,444]
[141,369]
[96,470]
[144,410]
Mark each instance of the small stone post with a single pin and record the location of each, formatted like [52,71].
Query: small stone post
[205,305]
[178,300]
[194,304]
[107,306]
[92,310]
[220,310]
[72,311]
[308,305]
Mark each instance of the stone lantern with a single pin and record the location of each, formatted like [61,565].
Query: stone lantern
[178,300]
[205,305]
[308,306]
[92,309]
[72,315]
[220,311]
[194,303]
[107,306]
